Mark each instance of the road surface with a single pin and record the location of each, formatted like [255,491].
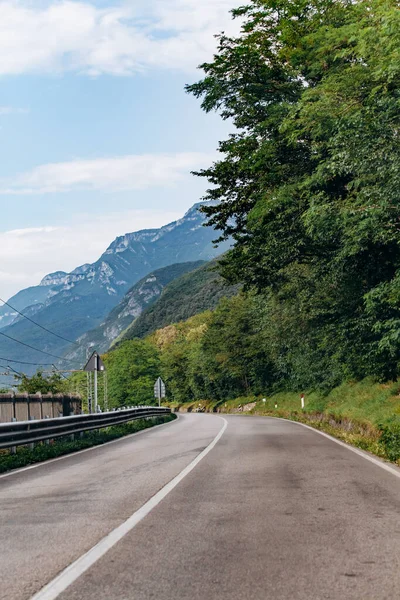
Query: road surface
[274,511]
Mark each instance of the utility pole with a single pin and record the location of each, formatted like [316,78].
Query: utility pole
[95,388]
[105,391]
[88,384]
[94,365]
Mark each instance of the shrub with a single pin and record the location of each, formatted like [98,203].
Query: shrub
[390,440]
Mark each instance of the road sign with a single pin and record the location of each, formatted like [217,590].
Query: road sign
[159,389]
[94,363]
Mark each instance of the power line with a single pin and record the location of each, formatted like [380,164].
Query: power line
[21,362]
[17,372]
[60,372]
[38,324]
[8,368]
[32,348]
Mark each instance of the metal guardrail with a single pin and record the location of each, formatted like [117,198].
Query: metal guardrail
[21,433]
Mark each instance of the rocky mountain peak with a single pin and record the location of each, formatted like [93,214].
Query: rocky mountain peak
[57,278]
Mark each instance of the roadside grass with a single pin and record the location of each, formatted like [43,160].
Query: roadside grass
[59,447]
[364,414]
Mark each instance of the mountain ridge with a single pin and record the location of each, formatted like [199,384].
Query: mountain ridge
[141,295]
[185,296]
[73,303]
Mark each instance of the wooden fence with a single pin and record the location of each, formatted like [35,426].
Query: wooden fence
[25,407]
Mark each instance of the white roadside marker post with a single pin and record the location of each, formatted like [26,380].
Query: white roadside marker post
[302,401]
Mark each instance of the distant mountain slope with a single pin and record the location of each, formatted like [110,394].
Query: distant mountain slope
[72,304]
[142,294]
[184,297]
[33,298]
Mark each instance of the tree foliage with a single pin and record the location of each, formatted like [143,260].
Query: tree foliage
[132,370]
[308,187]
[41,383]
[309,184]
[219,354]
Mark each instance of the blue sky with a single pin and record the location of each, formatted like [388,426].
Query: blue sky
[97,134]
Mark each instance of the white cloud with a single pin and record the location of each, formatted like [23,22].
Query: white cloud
[27,255]
[13,110]
[29,231]
[132,172]
[118,40]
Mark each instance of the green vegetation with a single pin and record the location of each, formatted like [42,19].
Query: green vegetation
[364,401]
[24,456]
[53,383]
[309,184]
[214,355]
[390,441]
[132,370]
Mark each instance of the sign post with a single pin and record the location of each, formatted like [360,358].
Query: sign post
[159,390]
[94,365]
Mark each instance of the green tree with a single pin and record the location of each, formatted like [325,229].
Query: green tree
[234,353]
[132,368]
[309,184]
[45,384]
[216,355]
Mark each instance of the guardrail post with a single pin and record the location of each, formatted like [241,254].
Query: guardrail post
[82,433]
[32,445]
[13,449]
[47,442]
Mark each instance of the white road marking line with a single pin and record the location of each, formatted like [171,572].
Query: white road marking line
[375,461]
[67,577]
[44,463]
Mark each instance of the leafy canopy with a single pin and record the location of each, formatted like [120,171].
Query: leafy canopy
[308,185]
[45,384]
[132,370]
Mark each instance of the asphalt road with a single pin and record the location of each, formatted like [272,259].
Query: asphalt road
[274,511]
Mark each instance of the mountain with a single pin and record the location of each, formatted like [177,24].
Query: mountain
[184,297]
[141,295]
[70,304]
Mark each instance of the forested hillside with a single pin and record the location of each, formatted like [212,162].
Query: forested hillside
[144,293]
[308,187]
[184,297]
[309,184]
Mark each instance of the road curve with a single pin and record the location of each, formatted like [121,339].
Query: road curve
[274,511]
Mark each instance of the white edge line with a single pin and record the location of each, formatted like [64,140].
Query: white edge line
[58,585]
[44,463]
[371,459]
